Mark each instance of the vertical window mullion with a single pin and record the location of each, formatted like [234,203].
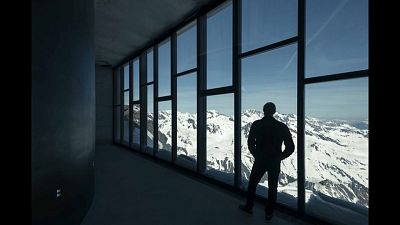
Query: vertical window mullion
[201,100]
[143,99]
[155,102]
[300,106]
[236,73]
[130,103]
[174,95]
[113,108]
[121,92]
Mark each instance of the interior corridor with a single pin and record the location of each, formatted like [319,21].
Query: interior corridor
[133,189]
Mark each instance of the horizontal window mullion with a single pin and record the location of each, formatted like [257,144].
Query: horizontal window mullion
[338,76]
[218,91]
[186,72]
[270,47]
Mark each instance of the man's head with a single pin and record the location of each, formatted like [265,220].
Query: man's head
[269,109]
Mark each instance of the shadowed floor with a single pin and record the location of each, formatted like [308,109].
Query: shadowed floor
[131,189]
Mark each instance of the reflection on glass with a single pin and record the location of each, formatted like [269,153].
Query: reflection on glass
[164,130]
[136,81]
[187,48]
[150,67]
[220,138]
[336,151]
[187,120]
[136,126]
[117,87]
[164,68]
[126,76]
[265,22]
[271,77]
[219,47]
[117,124]
[150,116]
[336,36]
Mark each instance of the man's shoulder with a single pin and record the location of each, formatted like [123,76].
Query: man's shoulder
[283,127]
[281,124]
[256,122]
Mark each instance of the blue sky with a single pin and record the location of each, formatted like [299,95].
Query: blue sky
[336,42]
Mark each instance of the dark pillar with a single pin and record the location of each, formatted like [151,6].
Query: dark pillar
[63,110]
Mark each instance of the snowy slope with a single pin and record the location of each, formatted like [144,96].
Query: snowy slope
[336,152]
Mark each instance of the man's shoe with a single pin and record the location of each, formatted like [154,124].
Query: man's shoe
[268,217]
[246,208]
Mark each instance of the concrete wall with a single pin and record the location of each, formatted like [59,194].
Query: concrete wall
[104,105]
[63,110]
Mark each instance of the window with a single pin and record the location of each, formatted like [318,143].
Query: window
[136,81]
[336,36]
[126,123]
[117,87]
[117,105]
[336,150]
[126,76]
[265,22]
[150,66]
[150,116]
[219,47]
[187,120]
[187,48]
[126,98]
[164,130]
[136,107]
[125,113]
[220,142]
[164,68]
[271,77]
[136,126]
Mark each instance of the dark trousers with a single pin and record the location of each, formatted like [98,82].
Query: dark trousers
[258,170]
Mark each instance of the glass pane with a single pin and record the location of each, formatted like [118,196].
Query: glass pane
[117,124]
[164,130]
[336,37]
[219,47]
[187,120]
[220,144]
[117,87]
[125,139]
[136,126]
[164,68]
[136,82]
[150,117]
[187,48]
[126,97]
[265,22]
[336,151]
[271,77]
[150,67]
[126,76]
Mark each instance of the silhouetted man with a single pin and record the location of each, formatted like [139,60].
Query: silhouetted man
[265,144]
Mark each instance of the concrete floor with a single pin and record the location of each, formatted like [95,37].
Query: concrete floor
[131,189]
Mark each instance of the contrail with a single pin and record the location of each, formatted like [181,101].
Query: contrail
[322,28]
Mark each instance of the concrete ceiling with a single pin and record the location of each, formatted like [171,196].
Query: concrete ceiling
[123,27]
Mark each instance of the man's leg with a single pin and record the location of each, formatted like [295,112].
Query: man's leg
[257,172]
[273,177]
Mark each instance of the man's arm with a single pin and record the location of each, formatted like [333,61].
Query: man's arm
[251,140]
[288,141]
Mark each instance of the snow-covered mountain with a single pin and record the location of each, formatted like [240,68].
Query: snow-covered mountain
[336,152]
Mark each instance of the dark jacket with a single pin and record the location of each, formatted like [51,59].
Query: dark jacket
[265,141]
